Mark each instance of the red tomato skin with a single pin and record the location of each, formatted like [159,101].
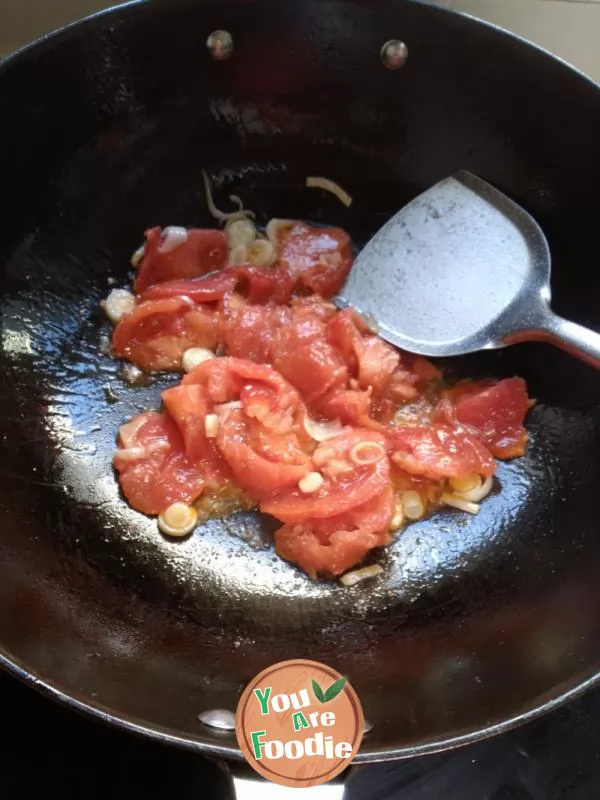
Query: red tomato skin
[332,546]
[258,284]
[254,471]
[207,289]
[494,410]
[160,477]
[249,330]
[337,495]
[155,335]
[188,406]
[202,252]
[319,259]
[261,461]
[305,358]
[438,452]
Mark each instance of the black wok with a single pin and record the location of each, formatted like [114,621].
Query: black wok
[476,625]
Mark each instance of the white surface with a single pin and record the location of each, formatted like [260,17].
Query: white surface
[569,28]
[253,790]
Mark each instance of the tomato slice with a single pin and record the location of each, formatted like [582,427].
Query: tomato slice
[439,452]
[207,289]
[156,333]
[153,470]
[203,251]
[318,259]
[188,406]
[258,284]
[291,338]
[301,353]
[350,406]
[377,368]
[343,489]
[425,370]
[255,457]
[262,402]
[260,432]
[333,545]
[494,410]
[249,330]
[225,378]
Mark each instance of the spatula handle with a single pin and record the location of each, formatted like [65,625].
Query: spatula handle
[580,342]
[251,790]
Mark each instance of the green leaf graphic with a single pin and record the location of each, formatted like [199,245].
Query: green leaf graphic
[318,692]
[335,689]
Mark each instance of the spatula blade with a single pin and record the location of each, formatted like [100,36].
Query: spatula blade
[445,267]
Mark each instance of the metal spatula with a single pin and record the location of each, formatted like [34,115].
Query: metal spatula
[461,268]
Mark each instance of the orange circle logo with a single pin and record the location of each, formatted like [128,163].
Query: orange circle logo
[299,723]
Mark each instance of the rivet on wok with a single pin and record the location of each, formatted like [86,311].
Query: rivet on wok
[394,54]
[218,718]
[220,45]
[368,727]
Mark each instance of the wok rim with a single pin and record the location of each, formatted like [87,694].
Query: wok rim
[63,32]
[161,735]
[156,733]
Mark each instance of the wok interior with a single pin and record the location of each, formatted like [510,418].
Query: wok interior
[474,621]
